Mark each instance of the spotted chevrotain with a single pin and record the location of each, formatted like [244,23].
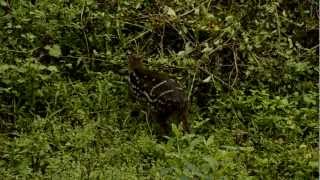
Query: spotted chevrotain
[164,96]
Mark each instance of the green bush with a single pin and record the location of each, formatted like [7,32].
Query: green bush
[250,68]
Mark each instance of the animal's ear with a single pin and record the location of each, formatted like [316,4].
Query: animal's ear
[131,56]
[134,57]
[129,53]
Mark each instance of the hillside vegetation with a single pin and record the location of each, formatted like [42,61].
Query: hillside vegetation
[249,67]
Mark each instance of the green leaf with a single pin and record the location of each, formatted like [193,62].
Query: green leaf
[52,68]
[3,3]
[170,12]
[54,50]
[176,131]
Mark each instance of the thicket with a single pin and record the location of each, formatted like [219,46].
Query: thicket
[250,67]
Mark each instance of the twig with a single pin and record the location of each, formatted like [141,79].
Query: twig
[161,41]
[139,36]
[16,51]
[137,25]
[193,80]
[147,120]
[193,9]
[215,77]
[235,57]
[83,57]
[84,33]
[278,25]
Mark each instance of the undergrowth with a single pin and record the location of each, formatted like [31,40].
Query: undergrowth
[250,68]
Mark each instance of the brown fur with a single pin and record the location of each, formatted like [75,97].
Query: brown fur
[163,96]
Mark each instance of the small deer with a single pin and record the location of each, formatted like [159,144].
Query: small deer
[164,97]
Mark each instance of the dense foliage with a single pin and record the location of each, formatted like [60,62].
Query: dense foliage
[250,68]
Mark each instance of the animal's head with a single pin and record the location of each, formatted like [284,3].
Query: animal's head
[134,61]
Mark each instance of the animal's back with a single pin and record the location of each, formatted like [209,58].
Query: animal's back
[164,96]
[162,93]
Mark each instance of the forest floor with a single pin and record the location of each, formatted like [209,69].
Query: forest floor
[249,67]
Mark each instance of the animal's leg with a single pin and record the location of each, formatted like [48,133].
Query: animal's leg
[184,121]
[162,120]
